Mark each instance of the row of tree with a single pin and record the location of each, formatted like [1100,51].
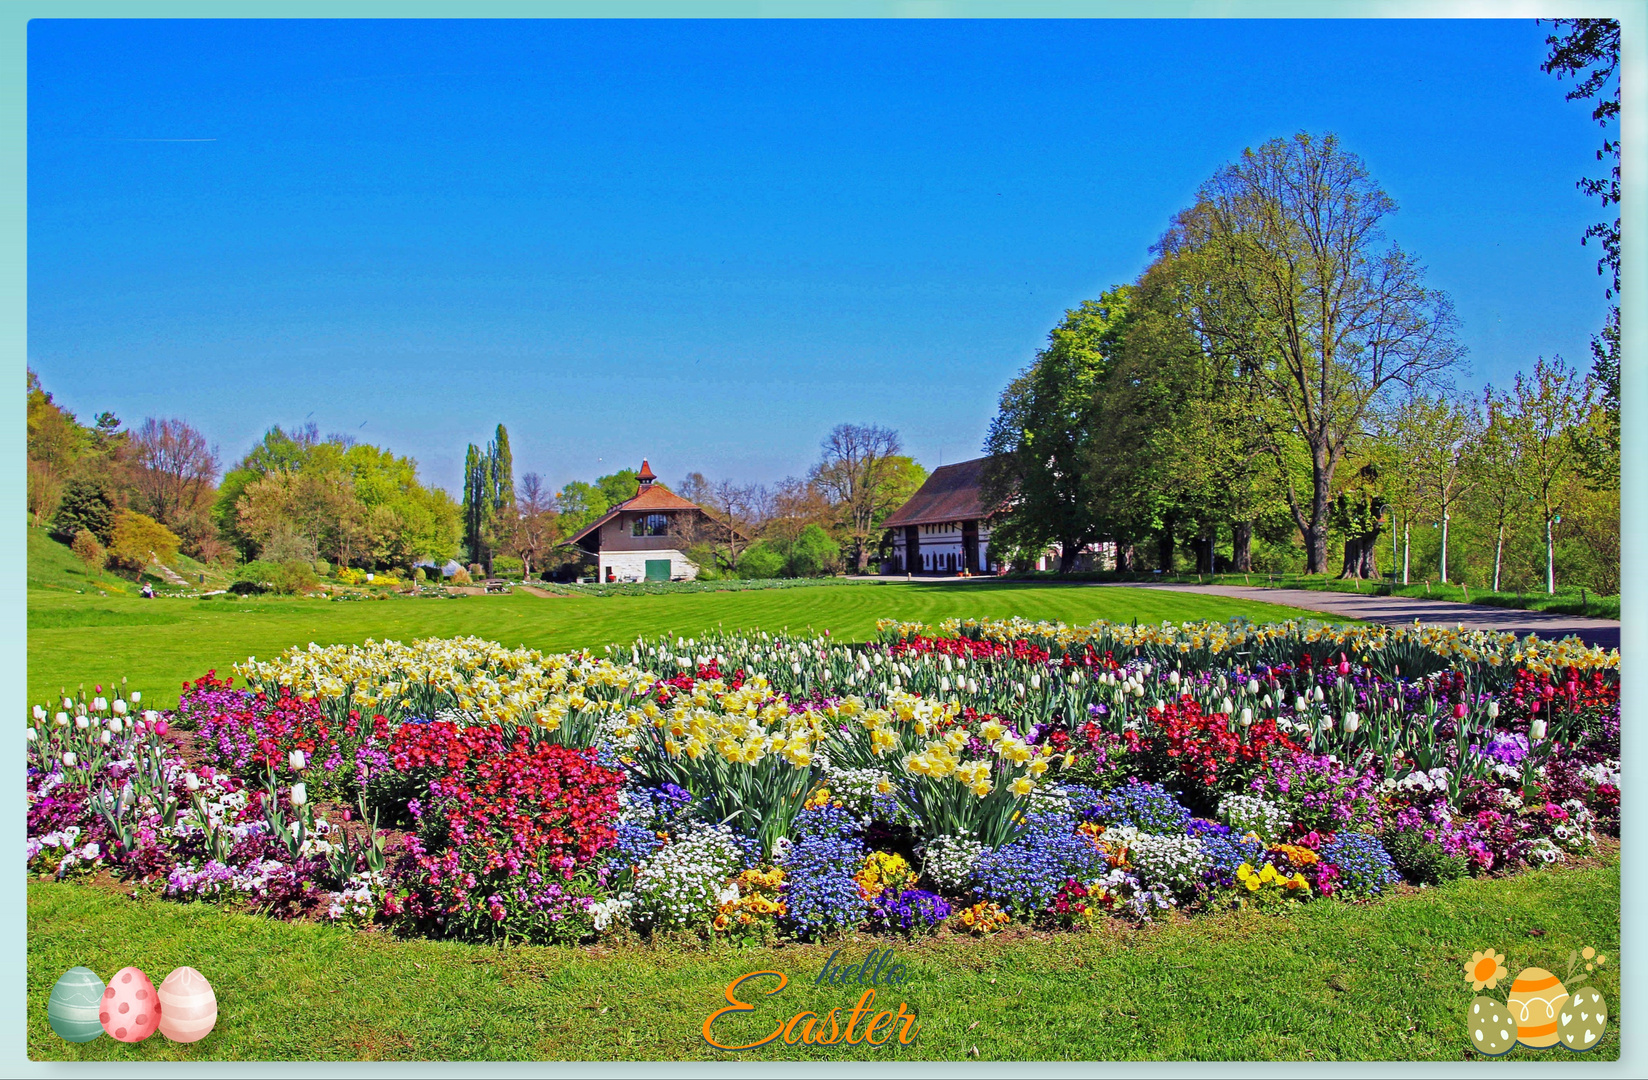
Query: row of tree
[1281,373]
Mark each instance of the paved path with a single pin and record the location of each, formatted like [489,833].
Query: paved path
[1390,610]
[1402,610]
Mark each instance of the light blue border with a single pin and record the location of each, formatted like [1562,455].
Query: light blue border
[1633,15]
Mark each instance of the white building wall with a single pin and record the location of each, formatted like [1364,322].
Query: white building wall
[632,565]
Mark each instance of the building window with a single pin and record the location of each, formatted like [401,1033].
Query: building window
[650,525]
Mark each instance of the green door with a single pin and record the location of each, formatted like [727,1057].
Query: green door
[658,570]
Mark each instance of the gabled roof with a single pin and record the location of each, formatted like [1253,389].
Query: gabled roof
[651,497]
[951,493]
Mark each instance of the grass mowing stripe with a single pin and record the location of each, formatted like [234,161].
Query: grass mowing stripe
[1327,981]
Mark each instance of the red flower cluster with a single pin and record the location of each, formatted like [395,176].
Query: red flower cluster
[1571,689]
[509,803]
[1204,747]
[968,649]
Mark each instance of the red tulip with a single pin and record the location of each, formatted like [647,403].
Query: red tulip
[1459,711]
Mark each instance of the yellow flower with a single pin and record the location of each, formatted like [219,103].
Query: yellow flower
[1485,969]
[1023,786]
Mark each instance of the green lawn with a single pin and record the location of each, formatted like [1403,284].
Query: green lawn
[1327,981]
[91,638]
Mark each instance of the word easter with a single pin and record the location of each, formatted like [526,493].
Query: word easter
[807,1028]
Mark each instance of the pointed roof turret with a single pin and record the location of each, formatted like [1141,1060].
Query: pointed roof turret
[646,475]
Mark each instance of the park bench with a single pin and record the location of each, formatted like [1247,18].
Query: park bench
[495,585]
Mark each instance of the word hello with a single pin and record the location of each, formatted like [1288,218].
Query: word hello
[811,1029]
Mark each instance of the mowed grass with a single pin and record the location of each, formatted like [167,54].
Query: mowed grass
[1328,980]
[90,638]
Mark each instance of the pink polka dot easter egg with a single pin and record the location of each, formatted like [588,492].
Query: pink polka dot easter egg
[188,1006]
[130,1010]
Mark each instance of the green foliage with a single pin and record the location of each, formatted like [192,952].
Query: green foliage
[284,579]
[85,505]
[813,553]
[139,540]
[1422,861]
[88,550]
[761,559]
[507,566]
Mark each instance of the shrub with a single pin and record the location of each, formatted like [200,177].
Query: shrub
[88,550]
[813,553]
[322,567]
[419,576]
[476,570]
[1423,861]
[140,540]
[760,560]
[461,577]
[85,504]
[507,566]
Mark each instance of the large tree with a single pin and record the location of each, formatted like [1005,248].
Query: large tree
[1296,284]
[1545,414]
[174,468]
[1043,470]
[1442,433]
[863,481]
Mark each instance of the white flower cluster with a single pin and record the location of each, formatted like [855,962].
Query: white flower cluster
[1048,799]
[609,912]
[1603,772]
[65,840]
[1252,814]
[1418,782]
[1544,851]
[1575,834]
[1139,900]
[358,899]
[679,887]
[1170,863]
[857,789]
[949,860]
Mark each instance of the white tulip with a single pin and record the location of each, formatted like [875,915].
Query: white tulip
[1253,686]
[1247,717]
[150,715]
[68,703]
[1301,705]
[1536,730]
[296,760]
[31,735]
[1035,681]
[39,712]
[795,668]
[104,737]
[115,724]
[1319,695]
[1148,669]
[1327,722]
[972,686]
[119,707]
[69,760]
[1227,706]
[62,719]
[1493,710]
[1265,701]
[137,696]
[191,781]
[1138,690]
[1173,677]
[1352,722]
[82,723]
[944,684]
[100,704]
[300,794]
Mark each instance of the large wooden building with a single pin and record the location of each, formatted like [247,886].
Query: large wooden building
[642,538]
[944,527]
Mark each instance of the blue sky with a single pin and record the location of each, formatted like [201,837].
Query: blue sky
[708,242]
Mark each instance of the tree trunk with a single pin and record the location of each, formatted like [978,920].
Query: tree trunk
[1550,560]
[1444,566]
[1204,554]
[1499,548]
[1360,561]
[1068,553]
[1241,546]
[1405,527]
[1164,548]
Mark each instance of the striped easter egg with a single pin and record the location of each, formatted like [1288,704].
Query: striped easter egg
[72,1010]
[1535,999]
[188,1008]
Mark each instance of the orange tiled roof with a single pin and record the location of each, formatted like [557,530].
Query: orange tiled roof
[652,496]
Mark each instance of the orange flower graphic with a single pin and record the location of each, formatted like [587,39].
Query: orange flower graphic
[1485,969]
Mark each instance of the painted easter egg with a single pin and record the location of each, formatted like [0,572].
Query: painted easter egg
[130,1010]
[1492,1032]
[1535,999]
[1582,1020]
[72,1010]
[188,1008]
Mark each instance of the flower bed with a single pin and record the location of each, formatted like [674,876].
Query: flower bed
[756,785]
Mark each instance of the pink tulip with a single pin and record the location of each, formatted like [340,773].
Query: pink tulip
[161,727]
[1344,665]
[1459,711]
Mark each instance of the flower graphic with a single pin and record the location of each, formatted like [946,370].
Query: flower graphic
[1485,969]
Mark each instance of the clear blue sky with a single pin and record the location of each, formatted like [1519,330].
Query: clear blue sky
[708,242]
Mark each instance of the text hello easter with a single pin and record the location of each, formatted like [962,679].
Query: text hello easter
[809,1028]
